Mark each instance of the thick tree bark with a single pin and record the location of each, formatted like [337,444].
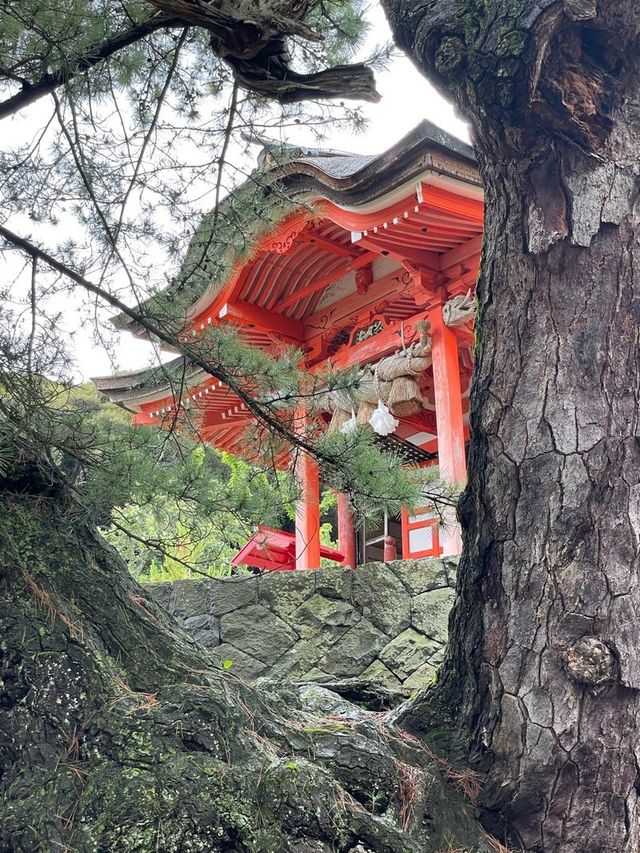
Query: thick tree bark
[251,38]
[543,676]
[119,733]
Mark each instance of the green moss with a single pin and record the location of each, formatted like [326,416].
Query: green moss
[436,735]
[512,42]
[137,743]
[326,728]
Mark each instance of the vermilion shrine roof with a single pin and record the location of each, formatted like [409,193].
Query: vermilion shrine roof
[342,255]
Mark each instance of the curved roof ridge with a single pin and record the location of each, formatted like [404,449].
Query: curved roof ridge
[227,235]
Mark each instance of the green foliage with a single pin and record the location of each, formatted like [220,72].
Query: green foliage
[343,28]
[138,141]
[375,480]
[198,520]
[173,506]
[169,504]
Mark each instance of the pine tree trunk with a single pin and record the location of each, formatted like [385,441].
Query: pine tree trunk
[546,635]
[543,677]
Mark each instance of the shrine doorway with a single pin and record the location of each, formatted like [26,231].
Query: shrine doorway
[371,536]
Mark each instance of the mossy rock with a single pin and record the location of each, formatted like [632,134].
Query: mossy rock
[430,613]
[421,575]
[406,652]
[119,734]
[258,632]
[283,592]
[354,651]
[382,597]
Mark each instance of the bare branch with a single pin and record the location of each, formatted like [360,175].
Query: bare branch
[225,144]
[32,333]
[154,123]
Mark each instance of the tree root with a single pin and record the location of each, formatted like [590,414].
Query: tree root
[118,732]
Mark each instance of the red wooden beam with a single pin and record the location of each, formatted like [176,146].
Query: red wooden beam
[455,256]
[356,305]
[463,284]
[308,513]
[357,221]
[380,344]
[325,281]
[246,314]
[330,245]
[459,206]
[307,508]
[429,260]
[217,424]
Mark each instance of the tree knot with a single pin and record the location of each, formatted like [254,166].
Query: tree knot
[591,662]
[450,55]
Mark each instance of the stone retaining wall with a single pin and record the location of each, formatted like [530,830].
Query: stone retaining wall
[386,622]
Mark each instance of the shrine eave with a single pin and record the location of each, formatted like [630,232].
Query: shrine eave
[358,180]
[348,182]
[346,279]
[131,389]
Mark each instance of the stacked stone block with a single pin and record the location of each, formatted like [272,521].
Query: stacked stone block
[384,622]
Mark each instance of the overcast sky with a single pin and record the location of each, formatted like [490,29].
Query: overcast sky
[407,98]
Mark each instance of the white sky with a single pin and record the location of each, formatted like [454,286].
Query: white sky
[407,98]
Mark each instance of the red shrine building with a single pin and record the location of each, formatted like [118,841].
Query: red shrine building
[370,248]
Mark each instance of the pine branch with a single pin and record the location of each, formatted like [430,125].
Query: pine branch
[261,412]
[48,83]
[154,545]
[253,46]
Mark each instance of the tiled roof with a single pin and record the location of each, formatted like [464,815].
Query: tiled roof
[340,166]
[300,170]
[124,385]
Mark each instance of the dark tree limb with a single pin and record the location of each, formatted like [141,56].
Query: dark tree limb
[32,92]
[252,40]
[252,43]
[276,80]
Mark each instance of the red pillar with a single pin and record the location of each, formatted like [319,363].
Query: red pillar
[307,507]
[346,531]
[308,513]
[449,422]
